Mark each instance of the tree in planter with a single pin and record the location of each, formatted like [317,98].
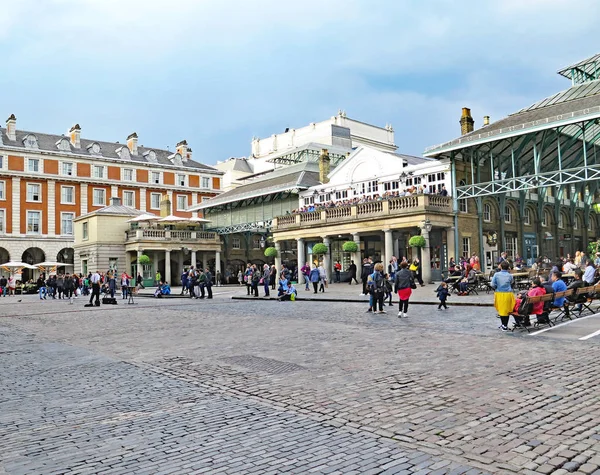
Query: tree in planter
[270,252]
[319,249]
[349,246]
[144,260]
[146,264]
[417,241]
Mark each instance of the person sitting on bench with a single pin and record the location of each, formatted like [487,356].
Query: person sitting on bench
[575,284]
[469,278]
[537,308]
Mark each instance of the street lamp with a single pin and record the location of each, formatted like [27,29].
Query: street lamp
[404,177]
[426,225]
[263,242]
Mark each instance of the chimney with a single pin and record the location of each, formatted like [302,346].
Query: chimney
[182,149]
[466,121]
[165,206]
[115,201]
[132,143]
[75,136]
[11,127]
[486,120]
[324,166]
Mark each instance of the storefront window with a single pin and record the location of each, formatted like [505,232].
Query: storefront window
[337,254]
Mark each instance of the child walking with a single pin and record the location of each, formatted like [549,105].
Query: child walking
[388,289]
[442,294]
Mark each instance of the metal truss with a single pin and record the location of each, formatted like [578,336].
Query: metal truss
[258,226]
[307,155]
[529,182]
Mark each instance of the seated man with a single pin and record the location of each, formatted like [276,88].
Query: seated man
[575,284]
[558,286]
[288,291]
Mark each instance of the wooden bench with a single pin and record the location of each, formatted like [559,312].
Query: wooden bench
[581,298]
[562,311]
[520,320]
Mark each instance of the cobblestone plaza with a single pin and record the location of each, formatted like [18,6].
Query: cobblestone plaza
[236,386]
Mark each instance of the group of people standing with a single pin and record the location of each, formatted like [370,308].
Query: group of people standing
[197,283]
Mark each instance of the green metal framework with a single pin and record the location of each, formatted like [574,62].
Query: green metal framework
[306,155]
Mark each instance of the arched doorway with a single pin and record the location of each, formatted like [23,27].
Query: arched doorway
[4,257]
[66,255]
[32,255]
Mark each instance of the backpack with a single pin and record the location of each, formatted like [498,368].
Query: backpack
[525,308]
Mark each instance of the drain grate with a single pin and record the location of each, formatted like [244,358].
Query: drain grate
[263,364]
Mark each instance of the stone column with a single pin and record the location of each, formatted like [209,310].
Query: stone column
[327,258]
[426,257]
[278,257]
[138,265]
[356,255]
[389,248]
[451,246]
[301,260]
[193,257]
[167,276]
[180,259]
[217,263]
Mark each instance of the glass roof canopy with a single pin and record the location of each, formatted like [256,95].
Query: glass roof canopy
[579,91]
[583,71]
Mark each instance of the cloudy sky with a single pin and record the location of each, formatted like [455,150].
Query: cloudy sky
[218,72]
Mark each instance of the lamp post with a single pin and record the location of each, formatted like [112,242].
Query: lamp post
[426,228]
[263,241]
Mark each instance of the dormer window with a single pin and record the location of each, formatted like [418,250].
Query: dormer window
[64,144]
[94,148]
[123,153]
[150,155]
[176,159]
[30,141]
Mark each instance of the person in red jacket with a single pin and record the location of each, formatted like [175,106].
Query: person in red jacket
[538,308]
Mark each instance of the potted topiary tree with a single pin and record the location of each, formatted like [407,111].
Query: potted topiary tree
[417,241]
[146,263]
[270,252]
[319,249]
[350,246]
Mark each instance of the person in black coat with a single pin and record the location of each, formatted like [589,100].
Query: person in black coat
[367,270]
[352,271]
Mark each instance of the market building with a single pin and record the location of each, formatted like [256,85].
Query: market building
[531,179]
[48,180]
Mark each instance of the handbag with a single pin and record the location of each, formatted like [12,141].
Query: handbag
[261,281]
[413,285]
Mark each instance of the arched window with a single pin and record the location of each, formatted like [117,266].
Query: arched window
[527,217]
[546,220]
[508,215]
[561,221]
[577,222]
[487,212]
[30,141]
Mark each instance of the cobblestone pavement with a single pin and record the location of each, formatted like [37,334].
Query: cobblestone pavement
[235,386]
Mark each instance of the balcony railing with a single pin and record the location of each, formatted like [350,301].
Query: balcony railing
[364,211]
[169,235]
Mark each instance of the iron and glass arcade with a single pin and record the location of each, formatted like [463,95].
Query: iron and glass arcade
[532,177]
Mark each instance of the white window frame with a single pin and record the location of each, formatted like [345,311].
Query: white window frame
[202,185]
[27,214]
[309,200]
[185,198]
[62,169]
[129,193]
[152,179]
[2,162]
[2,190]
[466,246]
[94,202]
[99,167]
[62,196]
[508,214]
[31,200]
[576,222]
[545,215]
[2,221]
[487,212]
[256,243]
[463,206]
[85,230]
[124,178]
[39,164]
[180,182]
[527,217]
[561,221]
[512,246]
[153,195]
[235,243]
[62,230]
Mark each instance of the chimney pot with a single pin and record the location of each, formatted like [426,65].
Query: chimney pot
[75,136]
[11,127]
[115,201]
[466,121]
[486,120]
[182,149]
[132,141]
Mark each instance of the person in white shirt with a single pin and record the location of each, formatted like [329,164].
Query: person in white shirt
[95,280]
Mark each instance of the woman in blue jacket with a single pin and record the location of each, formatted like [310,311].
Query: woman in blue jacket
[314,277]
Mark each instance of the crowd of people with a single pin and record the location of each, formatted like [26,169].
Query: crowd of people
[388,195]
[71,286]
